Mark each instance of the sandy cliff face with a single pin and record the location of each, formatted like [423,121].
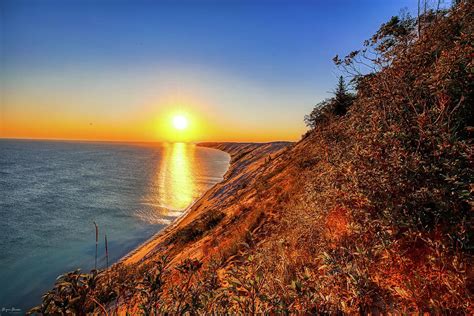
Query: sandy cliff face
[215,224]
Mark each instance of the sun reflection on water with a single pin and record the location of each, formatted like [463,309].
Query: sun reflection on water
[177,181]
[183,172]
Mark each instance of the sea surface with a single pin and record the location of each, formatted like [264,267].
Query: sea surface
[52,192]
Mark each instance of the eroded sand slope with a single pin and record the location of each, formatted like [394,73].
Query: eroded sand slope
[204,228]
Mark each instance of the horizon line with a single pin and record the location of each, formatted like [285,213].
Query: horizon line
[140,141]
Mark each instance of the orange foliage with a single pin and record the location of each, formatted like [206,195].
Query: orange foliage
[337,224]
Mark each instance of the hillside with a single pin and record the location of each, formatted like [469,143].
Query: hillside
[185,238]
[370,212]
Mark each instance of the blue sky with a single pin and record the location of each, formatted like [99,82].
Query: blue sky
[252,65]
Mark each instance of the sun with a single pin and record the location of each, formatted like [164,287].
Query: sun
[180,122]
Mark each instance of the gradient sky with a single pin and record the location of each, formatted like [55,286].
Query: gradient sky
[119,70]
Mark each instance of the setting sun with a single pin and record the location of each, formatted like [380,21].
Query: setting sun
[180,122]
[177,123]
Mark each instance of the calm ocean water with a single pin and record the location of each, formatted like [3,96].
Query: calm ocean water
[51,192]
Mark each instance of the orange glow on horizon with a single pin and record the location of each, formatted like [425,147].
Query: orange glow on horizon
[150,124]
[218,106]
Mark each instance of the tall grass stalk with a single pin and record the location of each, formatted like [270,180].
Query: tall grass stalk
[96,243]
[106,252]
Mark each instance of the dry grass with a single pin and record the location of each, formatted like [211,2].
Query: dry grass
[198,228]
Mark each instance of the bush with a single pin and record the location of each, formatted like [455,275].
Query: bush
[198,228]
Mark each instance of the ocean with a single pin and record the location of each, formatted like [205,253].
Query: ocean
[52,192]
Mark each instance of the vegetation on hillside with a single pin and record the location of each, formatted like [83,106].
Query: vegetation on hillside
[334,106]
[370,212]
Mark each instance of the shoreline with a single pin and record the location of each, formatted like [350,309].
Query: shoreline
[253,153]
[176,221]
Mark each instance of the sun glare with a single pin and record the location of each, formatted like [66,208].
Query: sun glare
[180,122]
